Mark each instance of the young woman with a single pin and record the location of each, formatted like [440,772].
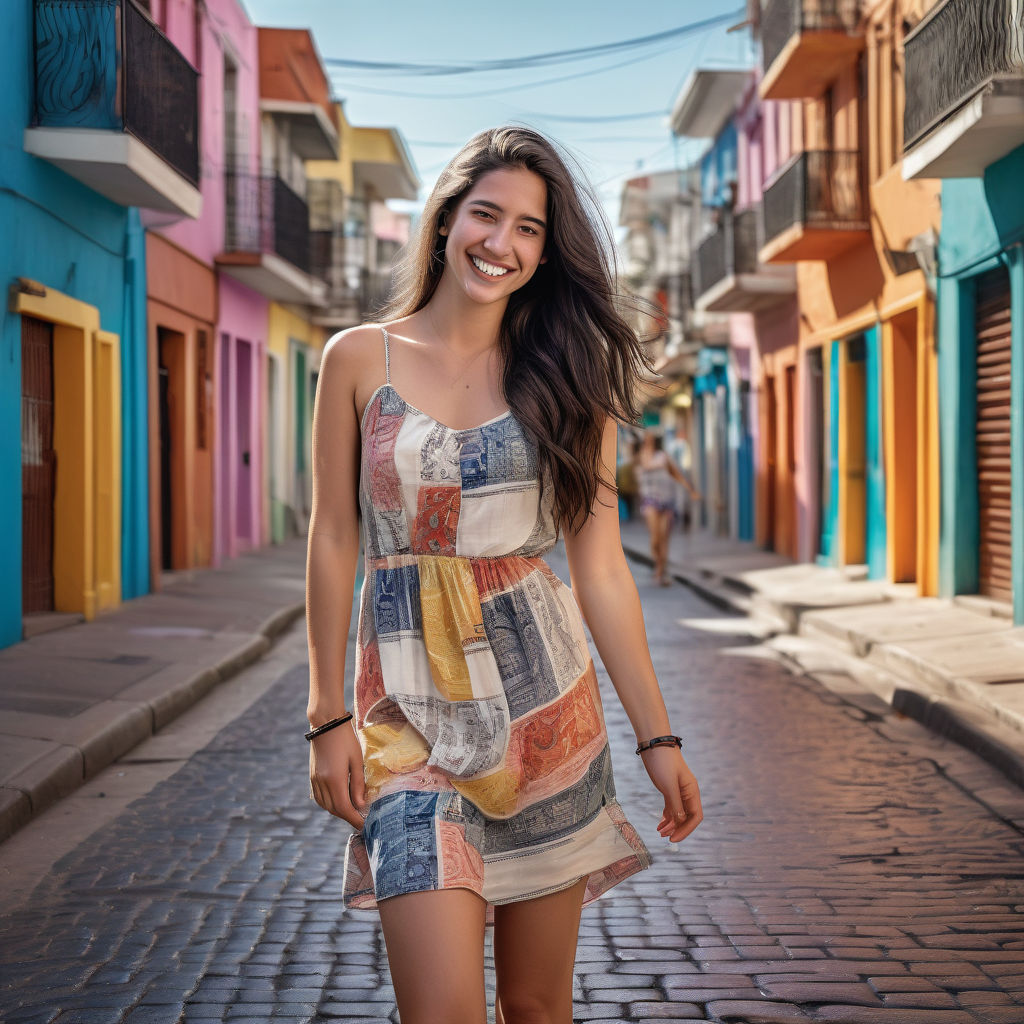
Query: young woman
[469,428]
[657,476]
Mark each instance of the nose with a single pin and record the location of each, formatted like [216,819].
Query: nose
[499,239]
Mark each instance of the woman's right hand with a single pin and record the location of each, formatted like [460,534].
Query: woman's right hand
[336,780]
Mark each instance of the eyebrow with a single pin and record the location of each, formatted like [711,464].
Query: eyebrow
[495,206]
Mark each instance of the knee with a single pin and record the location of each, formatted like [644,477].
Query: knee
[526,1008]
[445,1011]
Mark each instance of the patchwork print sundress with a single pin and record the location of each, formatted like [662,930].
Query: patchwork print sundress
[476,702]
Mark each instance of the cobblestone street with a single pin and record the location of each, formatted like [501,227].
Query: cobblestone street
[851,868]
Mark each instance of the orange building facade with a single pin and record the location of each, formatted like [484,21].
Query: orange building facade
[853,400]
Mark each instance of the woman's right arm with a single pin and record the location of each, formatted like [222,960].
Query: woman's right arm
[335,757]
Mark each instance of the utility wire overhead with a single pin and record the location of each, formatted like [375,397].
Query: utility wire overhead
[535,60]
[499,90]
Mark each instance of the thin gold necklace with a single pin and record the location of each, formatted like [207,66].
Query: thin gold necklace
[466,368]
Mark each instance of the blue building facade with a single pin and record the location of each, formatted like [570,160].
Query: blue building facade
[981,383]
[74,417]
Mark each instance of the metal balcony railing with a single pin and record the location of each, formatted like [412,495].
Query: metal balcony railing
[265,215]
[818,189]
[731,250]
[960,46]
[783,19]
[105,65]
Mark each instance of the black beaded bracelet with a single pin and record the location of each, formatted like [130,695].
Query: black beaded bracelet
[677,740]
[328,725]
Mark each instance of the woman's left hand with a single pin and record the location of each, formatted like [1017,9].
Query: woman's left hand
[672,777]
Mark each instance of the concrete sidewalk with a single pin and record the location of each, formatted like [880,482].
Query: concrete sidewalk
[957,666]
[76,699]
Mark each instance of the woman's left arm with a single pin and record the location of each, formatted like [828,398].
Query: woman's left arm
[607,597]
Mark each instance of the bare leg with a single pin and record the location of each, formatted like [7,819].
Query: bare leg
[435,943]
[534,953]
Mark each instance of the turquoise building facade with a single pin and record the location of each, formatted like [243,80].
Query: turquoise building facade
[73,271]
[980,258]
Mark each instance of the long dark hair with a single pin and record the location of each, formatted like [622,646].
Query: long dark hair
[569,357]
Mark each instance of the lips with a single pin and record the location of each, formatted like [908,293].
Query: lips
[483,273]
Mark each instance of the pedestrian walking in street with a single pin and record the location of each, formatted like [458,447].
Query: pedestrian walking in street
[657,476]
[474,763]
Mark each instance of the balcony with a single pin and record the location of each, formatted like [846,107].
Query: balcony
[116,105]
[294,91]
[266,240]
[814,208]
[959,122]
[806,44]
[730,278]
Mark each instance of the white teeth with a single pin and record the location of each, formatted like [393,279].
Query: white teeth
[488,268]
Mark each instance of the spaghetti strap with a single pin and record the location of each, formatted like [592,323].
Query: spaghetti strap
[387,356]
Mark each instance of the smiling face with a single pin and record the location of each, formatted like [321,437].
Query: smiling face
[496,234]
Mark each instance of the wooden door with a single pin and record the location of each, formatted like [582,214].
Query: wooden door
[38,465]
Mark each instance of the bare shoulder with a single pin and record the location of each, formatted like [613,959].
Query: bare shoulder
[353,364]
[347,350]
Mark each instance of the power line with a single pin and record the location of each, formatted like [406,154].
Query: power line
[500,90]
[533,60]
[595,118]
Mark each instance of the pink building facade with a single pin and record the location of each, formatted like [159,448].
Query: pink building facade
[764,339]
[220,372]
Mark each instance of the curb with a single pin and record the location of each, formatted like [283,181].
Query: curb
[60,771]
[965,724]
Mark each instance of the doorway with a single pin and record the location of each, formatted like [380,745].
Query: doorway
[815,446]
[901,442]
[770,433]
[244,439]
[172,398]
[38,466]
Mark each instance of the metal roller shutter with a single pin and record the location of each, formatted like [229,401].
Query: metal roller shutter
[993,434]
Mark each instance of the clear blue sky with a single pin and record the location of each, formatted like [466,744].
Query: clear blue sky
[442,112]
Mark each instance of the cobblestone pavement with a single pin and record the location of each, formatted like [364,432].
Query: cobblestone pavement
[851,868]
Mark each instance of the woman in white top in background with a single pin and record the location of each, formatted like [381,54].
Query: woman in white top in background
[657,476]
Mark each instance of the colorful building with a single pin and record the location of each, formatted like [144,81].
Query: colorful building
[859,392]
[298,123]
[356,237]
[191,320]
[658,212]
[757,300]
[966,127]
[86,137]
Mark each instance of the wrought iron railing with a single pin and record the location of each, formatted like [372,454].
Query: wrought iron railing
[263,214]
[105,65]
[821,188]
[732,249]
[961,45]
[783,19]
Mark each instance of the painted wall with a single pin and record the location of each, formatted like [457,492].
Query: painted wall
[181,312]
[856,290]
[340,169]
[240,478]
[81,246]
[983,222]
[718,168]
[764,141]
[295,347]
[224,32]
